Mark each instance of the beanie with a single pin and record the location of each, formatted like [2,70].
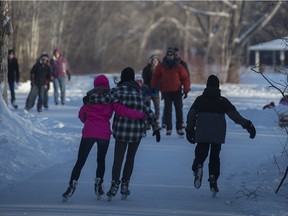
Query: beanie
[154,56]
[101,80]
[212,81]
[170,50]
[127,74]
[44,54]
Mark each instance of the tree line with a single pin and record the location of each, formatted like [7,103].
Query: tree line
[103,37]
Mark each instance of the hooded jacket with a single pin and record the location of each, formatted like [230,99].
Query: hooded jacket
[171,78]
[60,67]
[96,117]
[207,116]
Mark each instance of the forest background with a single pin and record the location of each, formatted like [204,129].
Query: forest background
[106,36]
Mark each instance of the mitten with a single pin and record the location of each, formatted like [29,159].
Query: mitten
[185,94]
[85,99]
[190,135]
[251,129]
[157,133]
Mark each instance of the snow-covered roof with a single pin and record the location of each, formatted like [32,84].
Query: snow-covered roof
[277,44]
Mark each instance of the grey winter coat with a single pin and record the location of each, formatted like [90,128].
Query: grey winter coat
[206,116]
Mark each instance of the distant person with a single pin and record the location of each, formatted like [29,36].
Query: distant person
[60,72]
[206,126]
[127,132]
[13,76]
[180,60]
[152,94]
[175,84]
[96,119]
[184,64]
[39,76]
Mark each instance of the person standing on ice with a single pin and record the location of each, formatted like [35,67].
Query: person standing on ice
[172,76]
[96,119]
[13,76]
[127,132]
[206,126]
[60,71]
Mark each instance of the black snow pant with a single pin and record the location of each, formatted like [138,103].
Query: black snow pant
[201,153]
[84,149]
[169,99]
[119,152]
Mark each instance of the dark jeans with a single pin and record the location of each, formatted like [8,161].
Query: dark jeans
[12,91]
[84,149]
[169,99]
[201,153]
[119,152]
[34,92]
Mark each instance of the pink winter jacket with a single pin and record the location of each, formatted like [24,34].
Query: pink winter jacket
[96,118]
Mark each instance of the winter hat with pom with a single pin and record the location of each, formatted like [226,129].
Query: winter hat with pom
[101,80]
[127,74]
[212,81]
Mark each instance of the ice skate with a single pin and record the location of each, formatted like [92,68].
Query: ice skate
[213,185]
[180,133]
[98,188]
[113,189]
[70,190]
[124,189]
[198,176]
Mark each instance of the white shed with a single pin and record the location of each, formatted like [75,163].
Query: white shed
[270,53]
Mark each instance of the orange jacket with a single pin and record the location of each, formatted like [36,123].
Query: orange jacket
[170,79]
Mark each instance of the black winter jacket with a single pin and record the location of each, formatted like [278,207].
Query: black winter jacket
[207,116]
[40,74]
[13,70]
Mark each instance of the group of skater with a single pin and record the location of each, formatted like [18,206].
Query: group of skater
[44,71]
[131,104]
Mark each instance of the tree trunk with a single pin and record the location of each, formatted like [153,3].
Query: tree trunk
[5,30]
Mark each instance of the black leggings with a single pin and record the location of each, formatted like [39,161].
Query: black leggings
[84,150]
[119,152]
[201,153]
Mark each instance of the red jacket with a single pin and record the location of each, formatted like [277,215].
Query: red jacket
[171,78]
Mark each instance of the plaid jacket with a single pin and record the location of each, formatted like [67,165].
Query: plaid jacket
[130,95]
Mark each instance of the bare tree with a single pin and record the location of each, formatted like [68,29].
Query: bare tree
[5,31]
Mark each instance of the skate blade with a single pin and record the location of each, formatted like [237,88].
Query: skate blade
[109,198]
[99,197]
[124,196]
[214,192]
[198,179]
[65,199]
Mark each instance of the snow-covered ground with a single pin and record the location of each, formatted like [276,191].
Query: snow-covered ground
[38,152]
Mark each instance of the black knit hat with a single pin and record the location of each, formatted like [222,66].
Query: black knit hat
[170,50]
[127,74]
[212,81]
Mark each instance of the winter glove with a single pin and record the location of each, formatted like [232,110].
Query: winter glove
[85,99]
[185,94]
[190,136]
[157,133]
[251,129]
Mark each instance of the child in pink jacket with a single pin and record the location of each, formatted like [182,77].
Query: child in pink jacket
[96,119]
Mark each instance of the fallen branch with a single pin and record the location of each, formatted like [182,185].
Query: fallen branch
[285,175]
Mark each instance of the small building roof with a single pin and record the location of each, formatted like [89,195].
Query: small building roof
[277,44]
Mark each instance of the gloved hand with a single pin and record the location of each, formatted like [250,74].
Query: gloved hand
[185,94]
[157,133]
[85,99]
[190,136]
[251,129]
